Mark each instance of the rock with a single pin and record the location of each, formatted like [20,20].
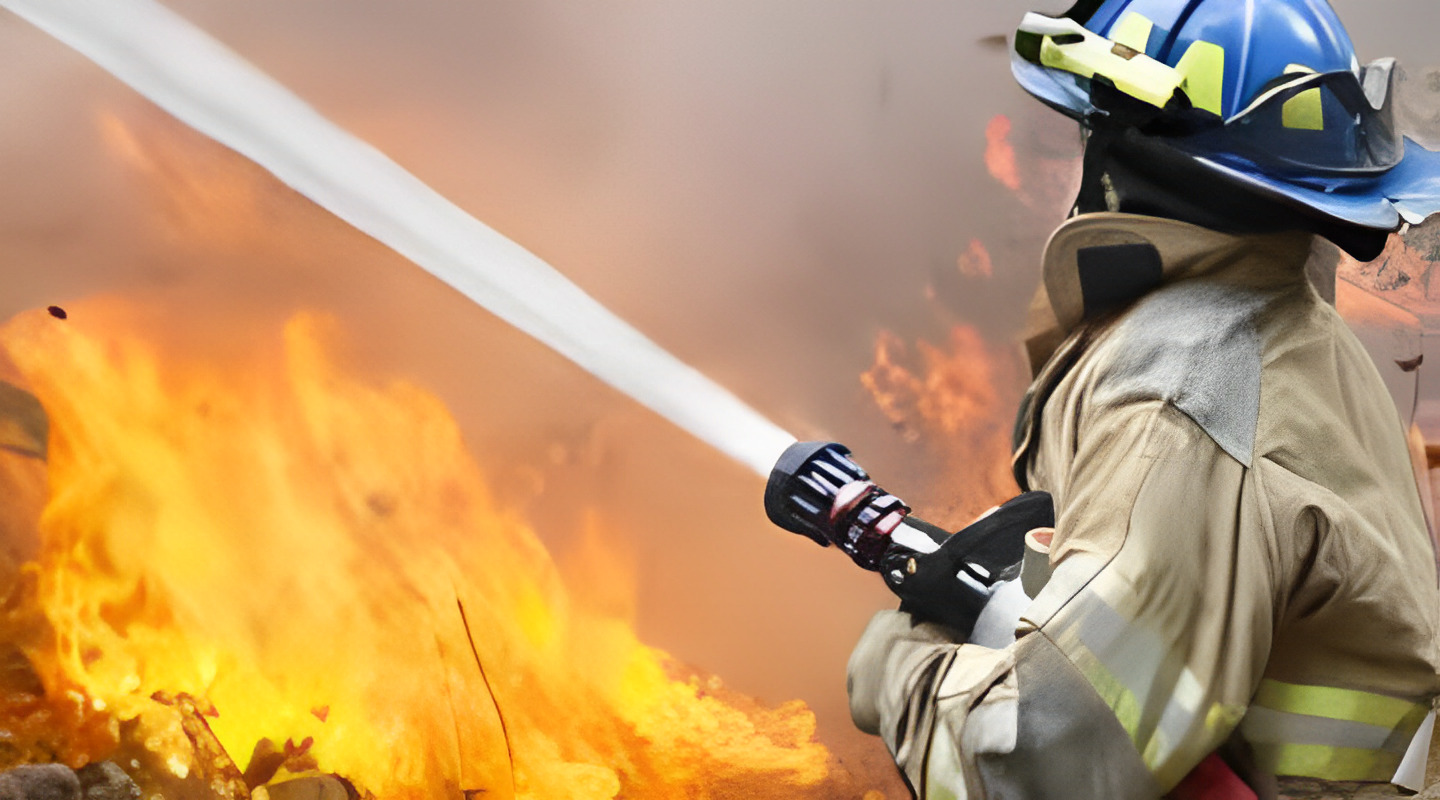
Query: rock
[40,782]
[310,787]
[106,781]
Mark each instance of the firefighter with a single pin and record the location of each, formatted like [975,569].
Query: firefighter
[1242,586]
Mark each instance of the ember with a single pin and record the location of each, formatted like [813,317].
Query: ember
[220,603]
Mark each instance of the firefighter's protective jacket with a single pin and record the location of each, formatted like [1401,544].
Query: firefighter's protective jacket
[1240,550]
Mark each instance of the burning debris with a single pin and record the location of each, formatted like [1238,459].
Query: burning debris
[271,579]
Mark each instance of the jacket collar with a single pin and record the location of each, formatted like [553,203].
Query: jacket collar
[1096,263]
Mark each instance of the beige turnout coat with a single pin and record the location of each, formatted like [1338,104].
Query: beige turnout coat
[1240,555]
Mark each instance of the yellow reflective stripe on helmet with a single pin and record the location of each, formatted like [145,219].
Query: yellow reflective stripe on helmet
[1333,703]
[1325,762]
[1203,67]
[1068,46]
[1133,31]
[1304,111]
[1139,76]
[1087,54]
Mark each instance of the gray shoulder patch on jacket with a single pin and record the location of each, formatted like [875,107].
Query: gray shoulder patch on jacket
[1195,345]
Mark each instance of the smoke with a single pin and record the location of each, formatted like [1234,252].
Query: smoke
[762,188]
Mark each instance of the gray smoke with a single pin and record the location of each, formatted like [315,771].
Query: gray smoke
[760,187]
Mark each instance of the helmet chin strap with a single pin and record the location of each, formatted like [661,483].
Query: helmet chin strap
[1130,172]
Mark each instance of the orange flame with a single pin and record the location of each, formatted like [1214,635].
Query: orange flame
[317,560]
[1000,154]
[975,261]
[955,402]
[1043,174]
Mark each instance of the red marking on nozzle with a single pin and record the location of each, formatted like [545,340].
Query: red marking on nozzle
[848,497]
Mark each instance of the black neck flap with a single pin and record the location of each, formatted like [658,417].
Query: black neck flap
[1128,171]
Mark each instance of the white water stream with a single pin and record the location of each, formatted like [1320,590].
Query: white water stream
[201,82]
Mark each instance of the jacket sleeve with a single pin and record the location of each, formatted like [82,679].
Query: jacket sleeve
[1134,662]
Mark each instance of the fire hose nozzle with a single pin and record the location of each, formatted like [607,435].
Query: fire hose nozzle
[817,491]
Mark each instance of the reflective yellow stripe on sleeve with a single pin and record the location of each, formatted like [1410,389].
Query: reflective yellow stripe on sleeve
[1335,703]
[1329,733]
[1154,695]
[1326,763]
[1320,732]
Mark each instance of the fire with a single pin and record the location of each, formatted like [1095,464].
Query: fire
[1040,166]
[271,561]
[999,154]
[975,261]
[955,401]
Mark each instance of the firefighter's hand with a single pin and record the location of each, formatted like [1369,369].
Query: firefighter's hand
[952,584]
[882,652]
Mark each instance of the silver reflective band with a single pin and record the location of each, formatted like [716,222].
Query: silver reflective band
[908,537]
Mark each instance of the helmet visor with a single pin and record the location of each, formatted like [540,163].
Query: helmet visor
[1314,125]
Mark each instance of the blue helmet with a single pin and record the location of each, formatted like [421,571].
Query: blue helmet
[1266,95]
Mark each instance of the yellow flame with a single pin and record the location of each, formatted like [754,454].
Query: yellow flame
[300,549]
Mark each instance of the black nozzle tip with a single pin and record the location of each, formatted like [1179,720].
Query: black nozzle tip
[802,484]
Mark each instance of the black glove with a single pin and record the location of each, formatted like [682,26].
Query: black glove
[818,491]
[952,585]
